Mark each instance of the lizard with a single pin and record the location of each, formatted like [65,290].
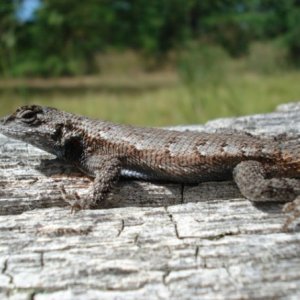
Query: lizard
[264,169]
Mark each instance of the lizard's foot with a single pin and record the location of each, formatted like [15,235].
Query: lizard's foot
[251,179]
[76,202]
[293,208]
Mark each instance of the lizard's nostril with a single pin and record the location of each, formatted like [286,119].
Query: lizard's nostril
[3,121]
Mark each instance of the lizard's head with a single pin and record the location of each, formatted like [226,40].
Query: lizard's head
[36,125]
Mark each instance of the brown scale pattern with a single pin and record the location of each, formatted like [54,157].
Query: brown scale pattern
[178,156]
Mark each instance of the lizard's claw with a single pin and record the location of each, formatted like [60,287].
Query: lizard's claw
[75,208]
[292,206]
[73,199]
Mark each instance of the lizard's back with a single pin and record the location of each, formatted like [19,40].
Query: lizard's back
[153,153]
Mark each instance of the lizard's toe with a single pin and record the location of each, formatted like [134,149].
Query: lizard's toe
[293,221]
[76,202]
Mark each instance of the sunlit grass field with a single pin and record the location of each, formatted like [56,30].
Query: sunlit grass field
[157,99]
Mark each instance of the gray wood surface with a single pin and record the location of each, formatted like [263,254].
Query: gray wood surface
[150,241]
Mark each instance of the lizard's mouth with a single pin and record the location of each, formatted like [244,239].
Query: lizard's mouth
[12,129]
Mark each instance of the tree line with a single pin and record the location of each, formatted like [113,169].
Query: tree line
[64,37]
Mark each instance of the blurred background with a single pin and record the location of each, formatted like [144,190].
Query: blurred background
[158,62]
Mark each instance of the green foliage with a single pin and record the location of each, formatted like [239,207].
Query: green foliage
[146,99]
[63,38]
[293,35]
[66,37]
[267,58]
[201,64]
[152,26]
[8,39]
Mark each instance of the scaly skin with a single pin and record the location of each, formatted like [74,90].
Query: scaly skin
[106,150]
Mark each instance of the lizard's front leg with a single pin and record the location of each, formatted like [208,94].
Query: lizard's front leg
[250,178]
[106,170]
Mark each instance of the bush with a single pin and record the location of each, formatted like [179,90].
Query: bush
[267,58]
[202,64]
[293,37]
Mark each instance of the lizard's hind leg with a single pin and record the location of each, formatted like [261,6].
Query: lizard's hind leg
[250,178]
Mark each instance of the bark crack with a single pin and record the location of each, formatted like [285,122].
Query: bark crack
[196,255]
[4,267]
[174,223]
[165,275]
[136,240]
[182,193]
[42,262]
[4,271]
[121,227]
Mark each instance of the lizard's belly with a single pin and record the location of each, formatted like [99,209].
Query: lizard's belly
[182,175]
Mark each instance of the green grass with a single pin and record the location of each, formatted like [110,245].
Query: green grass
[167,103]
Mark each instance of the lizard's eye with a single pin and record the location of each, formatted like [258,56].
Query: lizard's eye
[28,117]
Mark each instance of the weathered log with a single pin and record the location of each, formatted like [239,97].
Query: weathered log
[150,240]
